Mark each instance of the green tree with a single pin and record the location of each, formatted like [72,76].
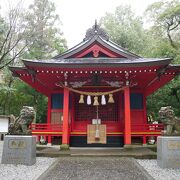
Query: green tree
[160,40]
[126,29]
[27,96]
[12,36]
[42,39]
[165,16]
[166,96]
[47,40]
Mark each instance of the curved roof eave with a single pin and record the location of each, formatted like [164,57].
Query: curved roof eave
[17,68]
[70,50]
[175,67]
[14,70]
[79,63]
[108,44]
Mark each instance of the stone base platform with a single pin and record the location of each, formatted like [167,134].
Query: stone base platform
[19,149]
[168,151]
[138,152]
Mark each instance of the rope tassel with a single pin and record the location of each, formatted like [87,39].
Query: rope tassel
[88,100]
[111,99]
[96,103]
[103,100]
[81,100]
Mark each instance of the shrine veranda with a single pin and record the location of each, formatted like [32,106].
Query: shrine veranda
[97,92]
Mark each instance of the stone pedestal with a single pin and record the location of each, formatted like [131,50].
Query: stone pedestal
[168,151]
[19,150]
[64,147]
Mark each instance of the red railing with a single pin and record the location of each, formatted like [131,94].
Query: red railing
[147,127]
[135,127]
[138,130]
[46,127]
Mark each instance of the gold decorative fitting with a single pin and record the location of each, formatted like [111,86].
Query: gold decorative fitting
[111,99]
[81,100]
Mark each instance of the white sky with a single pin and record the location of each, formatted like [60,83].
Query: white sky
[79,15]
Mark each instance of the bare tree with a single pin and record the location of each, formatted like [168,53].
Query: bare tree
[13,36]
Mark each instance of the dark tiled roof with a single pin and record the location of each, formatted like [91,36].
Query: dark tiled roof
[98,39]
[98,62]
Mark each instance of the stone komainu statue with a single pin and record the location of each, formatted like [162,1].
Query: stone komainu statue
[20,125]
[171,123]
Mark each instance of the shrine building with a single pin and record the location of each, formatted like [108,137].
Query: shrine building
[97,92]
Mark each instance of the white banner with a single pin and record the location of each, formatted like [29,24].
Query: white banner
[4,123]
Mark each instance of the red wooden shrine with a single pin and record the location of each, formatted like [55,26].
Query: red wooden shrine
[97,65]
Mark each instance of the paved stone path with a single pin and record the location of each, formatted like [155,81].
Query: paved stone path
[1,148]
[95,168]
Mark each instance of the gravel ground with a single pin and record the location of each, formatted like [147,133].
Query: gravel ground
[87,168]
[22,172]
[158,173]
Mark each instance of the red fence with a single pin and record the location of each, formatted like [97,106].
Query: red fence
[138,130]
[148,127]
[46,127]
[135,127]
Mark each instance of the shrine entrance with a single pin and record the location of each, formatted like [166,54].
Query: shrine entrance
[100,123]
[97,70]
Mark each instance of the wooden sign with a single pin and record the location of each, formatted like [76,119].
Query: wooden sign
[96,134]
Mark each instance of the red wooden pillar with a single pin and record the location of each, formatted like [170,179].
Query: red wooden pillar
[65,136]
[49,117]
[144,140]
[145,121]
[49,110]
[49,139]
[127,124]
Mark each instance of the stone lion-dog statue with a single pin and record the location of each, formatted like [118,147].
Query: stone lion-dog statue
[171,123]
[20,125]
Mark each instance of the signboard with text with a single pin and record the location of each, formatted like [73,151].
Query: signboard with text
[4,123]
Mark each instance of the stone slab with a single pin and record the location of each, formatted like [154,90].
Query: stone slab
[19,150]
[168,151]
[95,168]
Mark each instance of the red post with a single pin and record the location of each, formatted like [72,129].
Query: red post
[127,128]
[49,110]
[65,136]
[145,121]
[144,140]
[49,118]
[49,139]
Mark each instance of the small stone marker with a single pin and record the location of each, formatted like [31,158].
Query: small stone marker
[168,151]
[19,150]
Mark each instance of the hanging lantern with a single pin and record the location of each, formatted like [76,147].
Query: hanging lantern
[110,100]
[103,100]
[81,100]
[88,100]
[96,103]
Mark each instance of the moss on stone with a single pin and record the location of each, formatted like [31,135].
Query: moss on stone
[64,147]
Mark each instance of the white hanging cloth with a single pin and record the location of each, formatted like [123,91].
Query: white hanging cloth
[88,100]
[103,100]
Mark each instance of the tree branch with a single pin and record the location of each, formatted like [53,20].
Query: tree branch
[14,57]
